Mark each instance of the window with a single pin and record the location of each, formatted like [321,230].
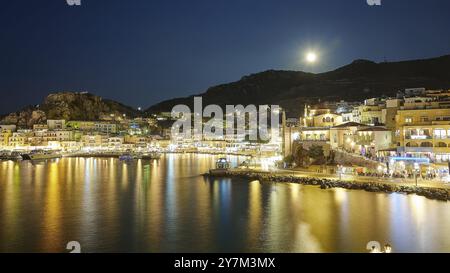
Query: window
[440,134]
[424,119]
[426,144]
[408,120]
[443,157]
[411,144]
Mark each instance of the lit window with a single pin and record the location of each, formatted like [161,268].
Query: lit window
[408,120]
[440,133]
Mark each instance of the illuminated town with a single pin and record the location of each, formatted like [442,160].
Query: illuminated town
[406,136]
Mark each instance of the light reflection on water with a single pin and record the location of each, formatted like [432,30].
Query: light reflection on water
[167,206]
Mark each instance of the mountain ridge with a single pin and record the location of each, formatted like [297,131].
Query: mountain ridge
[68,106]
[290,89]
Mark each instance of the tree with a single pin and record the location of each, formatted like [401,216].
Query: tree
[316,153]
[300,156]
[289,159]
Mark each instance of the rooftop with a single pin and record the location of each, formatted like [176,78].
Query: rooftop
[350,124]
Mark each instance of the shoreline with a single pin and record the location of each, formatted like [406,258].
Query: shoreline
[439,194]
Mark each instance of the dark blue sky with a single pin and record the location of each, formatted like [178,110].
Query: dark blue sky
[143,51]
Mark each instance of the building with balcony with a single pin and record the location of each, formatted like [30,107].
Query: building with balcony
[106,127]
[115,142]
[424,133]
[368,114]
[369,141]
[81,125]
[18,139]
[4,137]
[94,140]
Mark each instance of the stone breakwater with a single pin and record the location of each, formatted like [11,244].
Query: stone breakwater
[323,183]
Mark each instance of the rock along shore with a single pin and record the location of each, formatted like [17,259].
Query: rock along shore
[324,183]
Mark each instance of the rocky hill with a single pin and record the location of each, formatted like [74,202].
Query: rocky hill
[68,106]
[357,81]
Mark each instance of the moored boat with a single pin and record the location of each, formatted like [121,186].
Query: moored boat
[10,156]
[126,157]
[222,166]
[41,155]
[150,156]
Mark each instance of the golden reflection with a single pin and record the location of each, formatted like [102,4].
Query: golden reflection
[11,210]
[417,204]
[139,171]
[156,209]
[39,175]
[40,208]
[255,213]
[52,212]
[203,213]
[295,192]
[124,175]
[340,196]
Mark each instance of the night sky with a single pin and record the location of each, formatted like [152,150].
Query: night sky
[140,52]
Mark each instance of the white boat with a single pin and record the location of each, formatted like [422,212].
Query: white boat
[126,157]
[10,156]
[222,167]
[41,155]
[147,156]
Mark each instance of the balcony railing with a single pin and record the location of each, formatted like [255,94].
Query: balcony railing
[418,137]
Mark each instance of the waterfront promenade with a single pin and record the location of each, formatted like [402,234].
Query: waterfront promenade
[435,183]
[430,189]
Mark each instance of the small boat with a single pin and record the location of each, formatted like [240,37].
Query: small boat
[222,166]
[41,155]
[10,156]
[126,157]
[147,156]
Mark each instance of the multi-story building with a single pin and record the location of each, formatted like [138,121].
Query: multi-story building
[5,134]
[40,127]
[138,141]
[371,140]
[94,140]
[81,125]
[58,135]
[343,136]
[314,136]
[360,138]
[105,127]
[347,117]
[56,124]
[424,133]
[389,112]
[10,127]
[19,139]
[367,114]
[115,142]
[320,117]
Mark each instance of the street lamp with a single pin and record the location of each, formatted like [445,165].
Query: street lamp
[416,171]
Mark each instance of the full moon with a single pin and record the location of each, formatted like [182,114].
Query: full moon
[311,57]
